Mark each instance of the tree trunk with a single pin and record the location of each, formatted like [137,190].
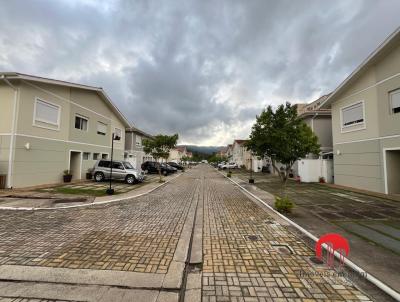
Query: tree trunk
[159,171]
[276,169]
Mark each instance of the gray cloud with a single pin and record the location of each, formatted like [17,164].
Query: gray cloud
[203,69]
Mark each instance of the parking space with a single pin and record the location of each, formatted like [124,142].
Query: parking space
[97,188]
[369,222]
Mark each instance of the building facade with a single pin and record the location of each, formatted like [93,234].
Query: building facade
[49,126]
[320,121]
[134,147]
[366,122]
[176,154]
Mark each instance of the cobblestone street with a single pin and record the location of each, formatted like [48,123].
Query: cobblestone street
[140,245]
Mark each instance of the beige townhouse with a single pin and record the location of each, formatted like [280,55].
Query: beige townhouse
[319,120]
[176,154]
[366,122]
[48,126]
[134,147]
[243,157]
[239,151]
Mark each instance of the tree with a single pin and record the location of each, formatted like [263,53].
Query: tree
[283,137]
[159,147]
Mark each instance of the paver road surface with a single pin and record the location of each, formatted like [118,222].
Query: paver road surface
[141,245]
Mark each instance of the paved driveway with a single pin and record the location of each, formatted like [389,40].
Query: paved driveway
[141,250]
[370,223]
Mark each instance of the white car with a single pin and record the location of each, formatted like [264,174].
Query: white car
[221,164]
[229,166]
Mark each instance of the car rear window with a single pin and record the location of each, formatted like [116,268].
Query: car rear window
[104,163]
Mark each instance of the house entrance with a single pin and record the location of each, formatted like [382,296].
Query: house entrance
[75,164]
[392,171]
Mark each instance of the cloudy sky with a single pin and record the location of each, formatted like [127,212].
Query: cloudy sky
[203,69]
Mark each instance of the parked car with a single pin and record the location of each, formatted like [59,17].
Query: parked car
[151,167]
[175,165]
[121,170]
[172,169]
[229,166]
[221,164]
[266,169]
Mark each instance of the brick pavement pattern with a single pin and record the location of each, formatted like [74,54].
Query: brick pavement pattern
[138,235]
[274,267]
[18,299]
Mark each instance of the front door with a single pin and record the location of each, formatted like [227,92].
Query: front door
[118,171]
[75,164]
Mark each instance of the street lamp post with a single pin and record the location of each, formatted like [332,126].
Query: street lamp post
[251,179]
[110,190]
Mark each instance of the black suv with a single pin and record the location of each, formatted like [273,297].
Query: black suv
[175,165]
[152,167]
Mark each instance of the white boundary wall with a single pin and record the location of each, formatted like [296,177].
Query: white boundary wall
[310,170]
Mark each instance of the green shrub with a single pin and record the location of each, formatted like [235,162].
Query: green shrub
[229,174]
[283,204]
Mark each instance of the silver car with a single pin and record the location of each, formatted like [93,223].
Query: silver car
[121,170]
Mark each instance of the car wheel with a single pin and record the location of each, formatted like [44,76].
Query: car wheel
[98,176]
[130,179]
[165,173]
[146,171]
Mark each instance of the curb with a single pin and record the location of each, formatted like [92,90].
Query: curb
[89,204]
[385,288]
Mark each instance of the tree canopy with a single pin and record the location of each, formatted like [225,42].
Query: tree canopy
[159,146]
[282,136]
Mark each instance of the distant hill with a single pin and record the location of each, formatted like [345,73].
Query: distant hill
[203,149]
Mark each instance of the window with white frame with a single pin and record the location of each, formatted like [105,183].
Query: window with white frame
[353,115]
[395,101]
[86,155]
[104,156]
[138,140]
[117,134]
[96,156]
[101,128]
[47,113]
[81,123]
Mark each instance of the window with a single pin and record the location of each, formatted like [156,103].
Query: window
[101,128]
[81,123]
[138,140]
[117,165]
[96,156]
[104,163]
[86,155]
[353,115]
[127,165]
[46,113]
[104,156]
[117,134]
[395,101]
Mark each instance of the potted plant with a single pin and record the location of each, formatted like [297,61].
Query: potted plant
[89,173]
[229,174]
[67,176]
[321,179]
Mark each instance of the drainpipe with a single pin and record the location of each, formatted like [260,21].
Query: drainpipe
[312,121]
[13,130]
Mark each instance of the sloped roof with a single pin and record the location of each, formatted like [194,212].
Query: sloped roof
[392,40]
[181,148]
[314,107]
[137,130]
[100,91]
[240,141]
